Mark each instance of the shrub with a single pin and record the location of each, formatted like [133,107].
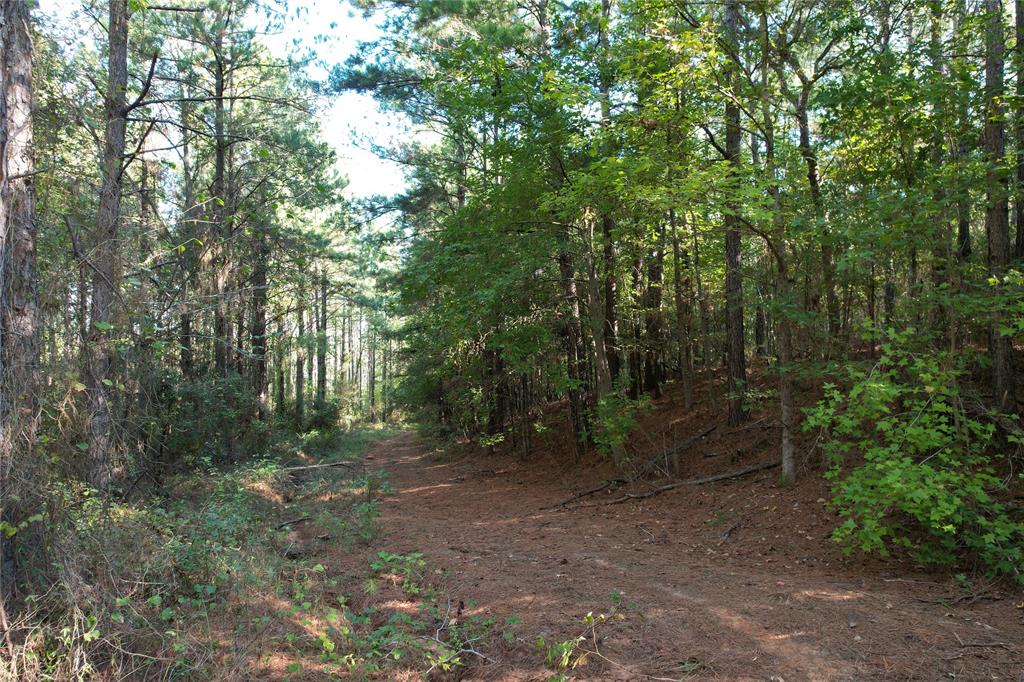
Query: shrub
[927,481]
[615,417]
[325,416]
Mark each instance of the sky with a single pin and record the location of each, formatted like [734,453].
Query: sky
[333,28]
[352,119]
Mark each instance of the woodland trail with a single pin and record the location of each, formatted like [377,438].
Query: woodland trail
[687,608]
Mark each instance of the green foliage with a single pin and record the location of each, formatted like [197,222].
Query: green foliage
[566,655]
[171,572]
[325,416]
[925,479]
[197,418]
[615,418]
[371,640]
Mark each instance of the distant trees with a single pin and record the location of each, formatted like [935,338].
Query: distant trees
[187,201]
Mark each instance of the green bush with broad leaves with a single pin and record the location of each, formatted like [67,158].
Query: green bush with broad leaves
[927,481]
[615,417]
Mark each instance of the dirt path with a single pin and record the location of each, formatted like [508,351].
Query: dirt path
[689,606]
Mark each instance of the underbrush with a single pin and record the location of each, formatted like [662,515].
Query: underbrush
[405,621]
[914,467]
[201,581]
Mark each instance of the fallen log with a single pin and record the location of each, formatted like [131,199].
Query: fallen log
[672,453]
[587,493]
[696,481]
[305,467]
[679,447]
[292,522]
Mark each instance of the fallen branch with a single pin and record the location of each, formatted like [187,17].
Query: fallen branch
[468,649]
[697,481]
[652,463]
[984,645]
[304,467]
[735,474]
[759,424]
[587,493]
[687,443]
[293,522]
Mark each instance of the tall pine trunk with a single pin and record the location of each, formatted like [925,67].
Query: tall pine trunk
[321,344]
[737,362]
[105,255]
[997,223]
[258,325]
[19,299]
[683,299]
[300,362]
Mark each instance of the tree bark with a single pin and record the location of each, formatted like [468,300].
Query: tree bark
[258,324]
[106,258]
[683,298]
[737,369]
[19,297]
[572,340]
[963,206]
[321,344]
[653,319]
[1018,128]
[222,230]
[187,234]
[300,362]
[280,368]
[777,244]
[610,336]
[997,223]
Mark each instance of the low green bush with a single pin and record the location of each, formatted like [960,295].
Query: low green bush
[926,478]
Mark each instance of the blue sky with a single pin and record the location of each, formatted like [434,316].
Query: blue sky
[333,28]
[351,120]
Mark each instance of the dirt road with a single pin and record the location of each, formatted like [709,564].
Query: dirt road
[689,594]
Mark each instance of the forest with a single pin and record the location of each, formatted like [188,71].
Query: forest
[687,348]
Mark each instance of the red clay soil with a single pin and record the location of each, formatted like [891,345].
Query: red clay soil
[732,580]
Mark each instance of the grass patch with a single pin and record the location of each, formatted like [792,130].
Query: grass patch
[214,578]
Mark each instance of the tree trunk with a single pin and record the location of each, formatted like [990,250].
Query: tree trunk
[598,327]
[777,244]
[1018,128]
[300,363]
[997,223]
[222,230]
[705,315]
[258,322]
[828,266]
[963,206]
[760,325]
[684,312]
[572,340]
[605,81]
[943,238]
[280,368]
[19,298]
[105,257]
[653,321]
[737,370]
[186,235]
[371,373]
[321,344]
